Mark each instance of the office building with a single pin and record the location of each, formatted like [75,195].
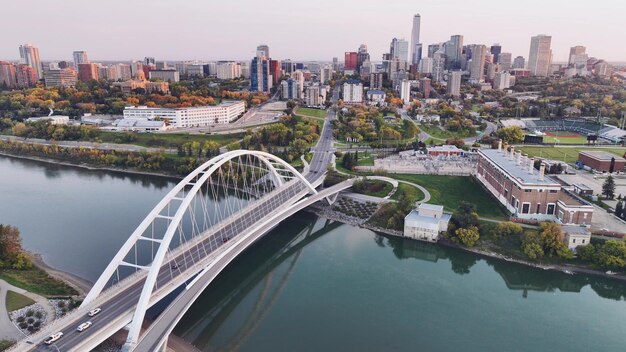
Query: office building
[352,92]
[350,61]
[362,57]
[29,55]
[575,52]
[376,80]
[195,70]
[25,76]
[426,65]
[197,116]
[399,49]
[326,74]
[477,66]
[453,49]
[61,78]
[505,61]
[149,87]
[80,57]
[540,56]
[275,71]
[7,75]
[433,48]
[263,50]
[88,72]
[495,50]
[439,66]
[169,76]
[336,64]
[260,74]
[228,70]
[454,83]
[416,54]
[149,61]
[526,193]
[519,62]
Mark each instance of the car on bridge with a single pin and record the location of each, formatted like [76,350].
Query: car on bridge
[94,312]
[84,326]
[53,338]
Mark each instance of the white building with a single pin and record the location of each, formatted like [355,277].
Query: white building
[352,92]
[164,75]
[376,96]
[228,70]
[426,65]
[54,119]
[576,236]
[223,113]
[195,70]
[502,81]
[312,96]
[540,57]
[405,91]
[426,222]
[139,125]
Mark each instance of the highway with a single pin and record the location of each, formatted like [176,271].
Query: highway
[117,310]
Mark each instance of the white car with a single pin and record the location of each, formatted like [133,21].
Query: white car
[53,337]
[84,326]
[94,312]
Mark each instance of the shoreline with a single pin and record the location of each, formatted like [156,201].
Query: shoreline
[89,167]
[574,269]
[81,285]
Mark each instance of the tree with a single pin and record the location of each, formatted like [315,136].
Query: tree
[465,215]
[10,243]
[468,236]
[612,166]
[619,209]
[511,135]
[612,255]
[531,245]
[608,188]
[458,142]
[552,240]
[508,229]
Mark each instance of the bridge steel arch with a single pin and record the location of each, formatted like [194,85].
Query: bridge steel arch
[156,335]
[195,180]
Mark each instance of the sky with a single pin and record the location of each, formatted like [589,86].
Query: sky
[301,30]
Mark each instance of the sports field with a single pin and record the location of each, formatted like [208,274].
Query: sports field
[566,154]
[564,137]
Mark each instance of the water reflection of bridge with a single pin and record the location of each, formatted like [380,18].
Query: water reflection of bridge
[274,261]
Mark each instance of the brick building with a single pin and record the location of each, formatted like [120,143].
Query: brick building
[526,193]
[601,161]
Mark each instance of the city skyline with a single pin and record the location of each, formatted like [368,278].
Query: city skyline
[286,28]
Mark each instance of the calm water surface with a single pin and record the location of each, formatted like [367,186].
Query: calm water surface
[314,285]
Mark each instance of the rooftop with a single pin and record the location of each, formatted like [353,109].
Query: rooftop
[433,207]
[445,148]
[598,155]
[518,172]
[416,220]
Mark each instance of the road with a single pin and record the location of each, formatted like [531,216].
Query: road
[122,303]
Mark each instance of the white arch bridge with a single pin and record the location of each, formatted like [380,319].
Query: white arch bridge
[199,227]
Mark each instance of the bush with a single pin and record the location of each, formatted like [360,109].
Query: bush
[38,315]
[468,236]
[30,313]
[30,320]
[23,325]
[20,319]
[508,229]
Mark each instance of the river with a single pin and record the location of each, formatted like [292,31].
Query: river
[312,284]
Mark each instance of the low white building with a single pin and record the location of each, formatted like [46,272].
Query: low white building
[376,96]
[576,236]
[54,119]
[426,222]
[197,116]
[139,125]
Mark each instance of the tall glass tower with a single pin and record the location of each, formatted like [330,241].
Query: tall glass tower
[416,52]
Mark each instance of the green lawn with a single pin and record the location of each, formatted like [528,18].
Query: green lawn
[568,155]
[37,281]
[166,140]
[319,113]
[449,191]
[443,134]
[408,190]
[16,301]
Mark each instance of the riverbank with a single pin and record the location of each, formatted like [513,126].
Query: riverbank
[81,285]
[330,214]
[90,167]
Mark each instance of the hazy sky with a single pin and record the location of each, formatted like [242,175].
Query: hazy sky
[301,30]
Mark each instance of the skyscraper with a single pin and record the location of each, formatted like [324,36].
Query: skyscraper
[362,57]
[88,72]
[519,62]
[495,50]
[350,61]
[7,74]
[477,68]
[454,83]
[399,49]
[29,55]
[263,50]
[505,61]
[80,57]
[576,55]
[540,56]
[453,51]
[415,39]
